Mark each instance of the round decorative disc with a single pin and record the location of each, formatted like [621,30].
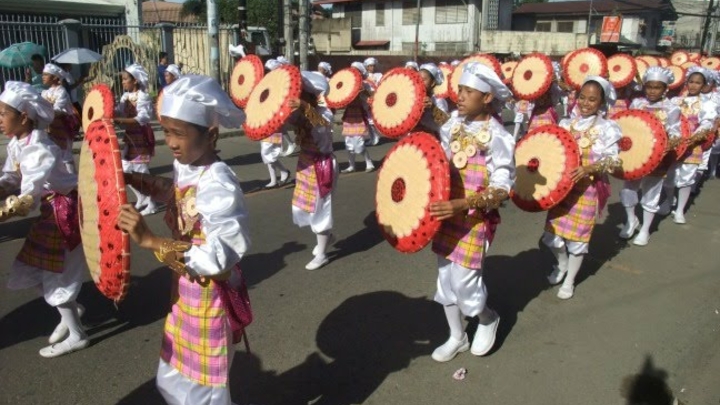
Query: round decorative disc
[415,174]
[246,74]
[622,69]
[582,63]
[508,68]
[397,105]
[678,58]
[642,67]
[679,75]
[268,106]
[643,144]
[545,159]
[664,62]
[101,187]
[443,90]
[694,57]
[533,76]
[99,104]
[712,63]
[344,87]
[650,60]
[689,64]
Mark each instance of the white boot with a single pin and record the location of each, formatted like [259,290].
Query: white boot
[559,270]
[61,330]
[567,290]
[631,224]
[643,237]
[458,341]
[273,176]
[683,197]
[351,163]
[485,335]
[369,166]
[77,339]
[320,258]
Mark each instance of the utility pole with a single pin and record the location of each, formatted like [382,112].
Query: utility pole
[242,21]
[303,33]
[590,13]
[212,20]
[288,35]
[706,28]
[417,31]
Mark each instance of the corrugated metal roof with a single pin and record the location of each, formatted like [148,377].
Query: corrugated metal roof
[600,6]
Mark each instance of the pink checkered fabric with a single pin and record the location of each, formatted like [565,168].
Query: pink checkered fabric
[543,116]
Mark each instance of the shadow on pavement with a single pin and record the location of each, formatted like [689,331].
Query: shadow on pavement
[605,243]
[648,387]
[363,240]
[258,267]
[17,229]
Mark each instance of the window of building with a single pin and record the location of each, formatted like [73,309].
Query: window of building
[453,48]
[408,47]
[354,11]
[451,11]
[566,26]
[379,14]
[543,26]
[410,13]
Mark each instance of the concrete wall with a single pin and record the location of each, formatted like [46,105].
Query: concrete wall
[551,43]
[332,35]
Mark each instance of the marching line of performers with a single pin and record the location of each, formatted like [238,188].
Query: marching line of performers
[208,215]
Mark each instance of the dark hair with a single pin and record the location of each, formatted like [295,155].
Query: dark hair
[37,56]
[163,55]
[701,75]
[602,90]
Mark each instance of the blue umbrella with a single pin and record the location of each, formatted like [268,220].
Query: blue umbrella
[19,55]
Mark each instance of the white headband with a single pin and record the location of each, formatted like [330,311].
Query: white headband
[326,67]
[55,70]
[412,65]
[658,74]
[200,100]
[436,73]
[370,61]
[139,73]
[480,77]
[174,70]
[314,82]
[26,99]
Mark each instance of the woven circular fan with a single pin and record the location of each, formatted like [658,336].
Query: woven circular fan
[101,187]
[642,67]
[545,159]
[345,85]
[99,103]
[622,69]
[267,108]
[694,57]
[679,74]
[679,57]
[567,56]
[485,58]
[532,77]
[584,62]
[689,64]
[443,90]
[650,60]
[415,174]
[643,144]
[664,62]
[246,74]
[397,105]
[712,63]
[507,70]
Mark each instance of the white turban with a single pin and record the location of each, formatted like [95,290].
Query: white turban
[200,100]
[174,70]
[273,64]
[480,77]
[359,66]
[412,65]
[57,71]
[608,90]
[658,74]
[314,82]
[370,61]
[436,73]
[698,69]
[139,73]
[26,99]
[326,67]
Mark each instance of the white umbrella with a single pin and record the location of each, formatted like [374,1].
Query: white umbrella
[77,56]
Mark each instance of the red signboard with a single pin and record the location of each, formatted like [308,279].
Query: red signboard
[611,29]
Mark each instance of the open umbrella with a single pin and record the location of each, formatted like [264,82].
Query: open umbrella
[77,56]
[20,54]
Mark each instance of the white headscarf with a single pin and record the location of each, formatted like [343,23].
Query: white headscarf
[57,71]
[658,74]
[480,77]
[200,100]
[273,64]
[412,65]
[174,70]
[139,73]
[26,99]
[370,61]
[436,73]
[359,66]
[608,90]
[326,67]
[314,82]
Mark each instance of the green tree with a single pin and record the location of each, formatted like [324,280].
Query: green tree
[259,12]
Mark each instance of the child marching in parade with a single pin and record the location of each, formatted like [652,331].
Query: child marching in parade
[356,125]
[316,169]
[656,80]
[570,224]
[373,79]
[134,113]
[51,257]
[209,225]
[482,174]
[66,124]
[436,108]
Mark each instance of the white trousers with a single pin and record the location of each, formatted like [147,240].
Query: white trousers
[458,285]
[270,152]
[684,175]
[651,190]
[556,242]
[355,144]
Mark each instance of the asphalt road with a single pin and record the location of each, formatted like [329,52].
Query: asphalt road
[643,324]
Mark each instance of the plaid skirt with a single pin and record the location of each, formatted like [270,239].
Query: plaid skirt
[462,239]
[574,218]
[306,184]
[354,123]
[547,117]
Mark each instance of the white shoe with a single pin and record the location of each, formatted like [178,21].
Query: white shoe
[64,347]
[369,168]
[485,337]
[565,292]
[642,239]
[272,184]
[451,348]
[284,176]
[61,330]
[331,240]
[290,150]
[350,169]
[629,228]
[679,217]
[317,262]
[556,276]
[149,210]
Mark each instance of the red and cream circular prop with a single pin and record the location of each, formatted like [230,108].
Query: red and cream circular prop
[643,144]
[642,67]
[101,188]
[485,58]
[414,175]
[508,68]
[397,105]
[344,87]
[650,60]
[545,159]
[443,90]
[246,74]
[582,63]
[664,62]
[268,106]
[689,64]
[694,57]
[679,76]
[533,76]
[712,63]
[99,104]
[622,70]
[678,58]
